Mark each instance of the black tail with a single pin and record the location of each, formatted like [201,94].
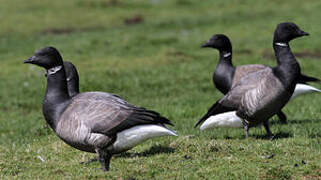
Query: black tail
[152,117]
[166,121]
[216,108]
[139,116]
[305,79]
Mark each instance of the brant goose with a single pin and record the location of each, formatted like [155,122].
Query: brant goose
[226,75]
[258,96]
[95,122]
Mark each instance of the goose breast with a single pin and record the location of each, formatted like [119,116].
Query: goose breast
[78,124]
[265,96]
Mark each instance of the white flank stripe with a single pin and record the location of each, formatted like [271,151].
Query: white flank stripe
[129,138]
[228,119]
[301,89]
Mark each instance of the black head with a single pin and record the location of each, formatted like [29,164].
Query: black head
[220,42]
[47,58]
[287,31]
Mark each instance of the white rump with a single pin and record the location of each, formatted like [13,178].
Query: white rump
[131,137]
[228,119]
[301,89]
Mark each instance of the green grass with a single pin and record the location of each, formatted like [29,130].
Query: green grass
[156,64]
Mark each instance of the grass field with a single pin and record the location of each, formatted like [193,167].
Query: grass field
[149,53]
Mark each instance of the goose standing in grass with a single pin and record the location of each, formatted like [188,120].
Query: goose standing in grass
[226,75]
[260,95]
[96,122]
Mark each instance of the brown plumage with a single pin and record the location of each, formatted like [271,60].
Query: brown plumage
[93,121]
[242,71]
[98,117]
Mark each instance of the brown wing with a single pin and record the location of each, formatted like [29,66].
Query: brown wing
[108,114]
[266,99]
[242,71]
[259,95]
[231,101]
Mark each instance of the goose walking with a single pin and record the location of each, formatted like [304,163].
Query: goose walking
[95,122]
[226,75]
[260,95]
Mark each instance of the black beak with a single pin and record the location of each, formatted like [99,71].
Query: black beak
[207,44]
[302,33]
[30,60]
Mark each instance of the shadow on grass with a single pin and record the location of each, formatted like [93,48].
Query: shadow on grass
[296,121]
[269,54]
[150,152]
[304,121]
[279,135]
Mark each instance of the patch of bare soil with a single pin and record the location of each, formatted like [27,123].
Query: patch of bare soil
[269,54]
[307,54]
[136,19]
[57,31]
[180,55]
[100,3]
[244,51]
[316,176]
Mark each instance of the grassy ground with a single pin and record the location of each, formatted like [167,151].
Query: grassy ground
[148,52]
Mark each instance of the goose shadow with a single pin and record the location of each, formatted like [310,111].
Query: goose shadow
[150,152]
[304,121]
[297,121]
[279,135]
[147,153]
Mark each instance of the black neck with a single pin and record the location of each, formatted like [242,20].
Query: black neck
[73,86]
[56,98]
[288,68]
[226,56]
[224,72]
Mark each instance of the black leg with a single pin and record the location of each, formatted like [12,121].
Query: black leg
[105,165]
[267,128]
[282,117]
[246,129]
[104,159]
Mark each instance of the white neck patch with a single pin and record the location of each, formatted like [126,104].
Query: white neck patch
[53,70]
[226,54]
[281,44]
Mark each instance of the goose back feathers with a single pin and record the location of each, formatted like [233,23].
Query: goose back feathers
[93,121]
[97,114]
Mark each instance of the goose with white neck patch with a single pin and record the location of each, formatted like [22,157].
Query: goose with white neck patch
[96,122]
[226,75]
[258,96]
